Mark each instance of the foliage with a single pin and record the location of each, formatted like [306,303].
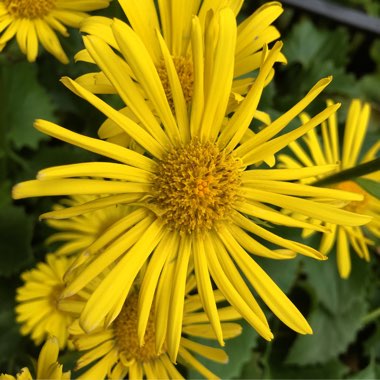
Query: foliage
[346,340]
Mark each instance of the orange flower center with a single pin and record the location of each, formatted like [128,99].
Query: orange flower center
[125,329]
[184,68]
[29,8]
[353,206]
[196,186]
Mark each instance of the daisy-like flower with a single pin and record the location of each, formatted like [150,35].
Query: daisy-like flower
[47,365]
[34,21]
[327,151]
[115,351]
[77,233]
[195,191]
[174,20]
[37,309]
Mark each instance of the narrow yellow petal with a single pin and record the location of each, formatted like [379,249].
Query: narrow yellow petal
[205,287]
[343,254]
[96,169]
[178,298]
[103,148]
[39,188]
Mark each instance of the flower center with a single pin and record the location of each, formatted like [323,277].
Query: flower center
[184,68]
[55,295]
[353,206]
[196,186]
[29,8]
[125,329]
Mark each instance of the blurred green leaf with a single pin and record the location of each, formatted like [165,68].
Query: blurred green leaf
[10,337]
[16,230]
[23,100]
[337,317]
[333,369]
[309,45]
[371,187]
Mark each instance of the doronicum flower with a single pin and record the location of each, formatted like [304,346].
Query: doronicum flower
[173,19]
[47,365]
[76,234]
[37,21]
[196,194]
[115,351]
[327,151]
[37,301]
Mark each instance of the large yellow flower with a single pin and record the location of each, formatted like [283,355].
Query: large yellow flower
[34,21]
[115,351]
[197,198]
[327,151]
[47,365]
[37,301]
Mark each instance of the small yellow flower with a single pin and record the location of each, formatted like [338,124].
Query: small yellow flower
[328,151]
[76,234]
[34,21]
[47,365]
[116,351]
[37,301]
[197,196]
[173,21]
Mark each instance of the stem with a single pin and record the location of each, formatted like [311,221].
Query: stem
[372,316]
[345,175]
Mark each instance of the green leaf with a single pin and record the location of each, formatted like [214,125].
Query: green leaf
[239,353]
[333,369]
[16,230]
[10,337]
[371,187]
[307,44]
[23,100]
[337,317]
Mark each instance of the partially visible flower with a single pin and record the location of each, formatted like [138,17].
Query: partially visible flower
[115,351]
[327,151]
[174,21]
[34,21]
[198,197]
[47,365]
[79,232]
[37,301]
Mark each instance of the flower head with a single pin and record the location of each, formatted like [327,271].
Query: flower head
[37,301]
[79,232]
[47,365]
[198,199]
[34,21]
[116,350]
[327,151]
[173,21]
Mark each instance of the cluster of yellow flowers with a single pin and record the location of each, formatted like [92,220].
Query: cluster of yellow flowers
[157,239]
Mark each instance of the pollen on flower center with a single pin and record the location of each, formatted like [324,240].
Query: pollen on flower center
[55,295]
[184,68]
[353,206]
[29,8]
[196,186]
[125,330]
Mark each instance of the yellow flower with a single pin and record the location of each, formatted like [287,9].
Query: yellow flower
[78,233]
[174,20]
[115,351]
[34,21]
[37,309]
[47,365]
[327,151]
[197,198]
